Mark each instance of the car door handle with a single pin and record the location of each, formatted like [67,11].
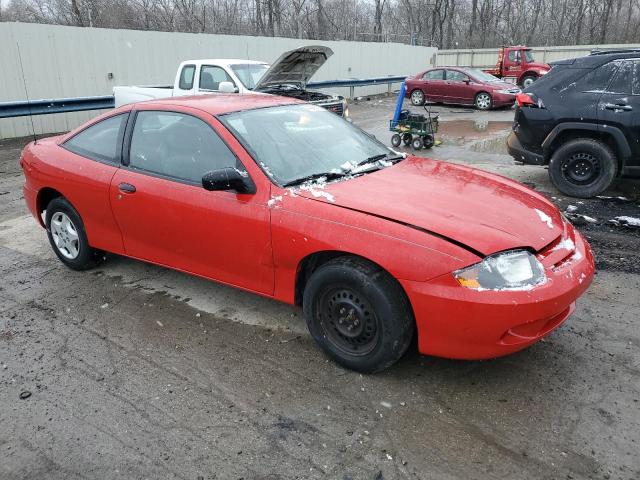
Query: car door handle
[127,188]
[612,106]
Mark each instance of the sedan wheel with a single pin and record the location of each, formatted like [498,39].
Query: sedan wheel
[483,101]
[417,98]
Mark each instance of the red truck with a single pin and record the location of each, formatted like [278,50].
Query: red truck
[517,62]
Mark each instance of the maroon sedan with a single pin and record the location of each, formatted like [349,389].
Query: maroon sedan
[464,86]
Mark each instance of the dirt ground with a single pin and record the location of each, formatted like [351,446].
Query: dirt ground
[134,371]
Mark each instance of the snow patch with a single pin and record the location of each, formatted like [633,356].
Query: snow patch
[545,218]
[626,221]
[274,202]
[565,244]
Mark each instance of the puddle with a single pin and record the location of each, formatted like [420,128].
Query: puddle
[480,135]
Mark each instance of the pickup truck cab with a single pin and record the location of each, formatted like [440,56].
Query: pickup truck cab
[287,77]
[518,64]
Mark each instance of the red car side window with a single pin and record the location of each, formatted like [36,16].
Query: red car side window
[434,75]
[101,141]
[177,145]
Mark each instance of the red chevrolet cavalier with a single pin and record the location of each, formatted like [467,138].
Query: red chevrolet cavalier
[289,201]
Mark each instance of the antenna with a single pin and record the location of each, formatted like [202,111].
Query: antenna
[24,81]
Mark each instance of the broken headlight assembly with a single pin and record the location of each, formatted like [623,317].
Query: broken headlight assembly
[510,270]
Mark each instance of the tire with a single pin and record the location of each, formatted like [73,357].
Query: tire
[406,139]
[527,80]
[428,141]
[358,314]
[483,101]
[583,167]
[67,236]
[395,140]
[417,97]
[417,143]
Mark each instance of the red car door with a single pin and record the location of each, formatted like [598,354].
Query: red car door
[458,89]
[167,217]
[89,159]
[433,85]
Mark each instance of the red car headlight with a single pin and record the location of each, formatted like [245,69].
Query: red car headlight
[510,270]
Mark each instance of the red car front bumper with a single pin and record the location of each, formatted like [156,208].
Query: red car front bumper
[458,322]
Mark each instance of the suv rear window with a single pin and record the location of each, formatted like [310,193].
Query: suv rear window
[621,83]
[598,80]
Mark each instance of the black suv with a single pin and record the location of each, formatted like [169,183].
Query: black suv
[583,120]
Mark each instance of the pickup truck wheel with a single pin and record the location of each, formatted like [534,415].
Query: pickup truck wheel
[358,314]
[483,101]
[527,80]
[417,98]
[583,167]
[67,236]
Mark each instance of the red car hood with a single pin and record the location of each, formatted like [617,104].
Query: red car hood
[485,212]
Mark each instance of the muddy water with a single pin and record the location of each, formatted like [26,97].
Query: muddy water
[479,135]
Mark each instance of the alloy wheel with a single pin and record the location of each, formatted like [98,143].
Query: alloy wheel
[65,235]
[483,101]
[417,97]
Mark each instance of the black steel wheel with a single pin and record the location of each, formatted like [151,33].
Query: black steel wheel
[348,319]
[358,314]
[395,140]
[583,167]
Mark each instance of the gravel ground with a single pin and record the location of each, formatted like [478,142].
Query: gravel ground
[135,371]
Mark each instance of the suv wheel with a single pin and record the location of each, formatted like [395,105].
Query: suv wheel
[583,167]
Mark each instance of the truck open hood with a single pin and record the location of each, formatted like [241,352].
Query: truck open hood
[295,67]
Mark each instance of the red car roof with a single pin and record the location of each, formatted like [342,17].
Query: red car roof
[219,103]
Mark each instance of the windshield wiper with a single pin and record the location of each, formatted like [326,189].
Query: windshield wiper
[376,158]
[315,176]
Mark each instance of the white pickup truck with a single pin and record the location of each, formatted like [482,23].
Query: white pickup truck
[288,77]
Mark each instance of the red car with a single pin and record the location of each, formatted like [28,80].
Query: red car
[289,201]
[464,86]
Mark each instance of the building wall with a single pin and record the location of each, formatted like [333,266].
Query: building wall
[62,61]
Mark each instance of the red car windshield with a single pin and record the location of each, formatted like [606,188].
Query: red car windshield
[299,141]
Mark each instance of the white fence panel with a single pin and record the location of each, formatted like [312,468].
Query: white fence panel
[62,61]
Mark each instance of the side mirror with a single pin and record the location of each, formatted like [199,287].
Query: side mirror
[228,178]
[227,87]
[467,81]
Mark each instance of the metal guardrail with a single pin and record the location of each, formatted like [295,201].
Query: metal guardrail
[79,104]
[60,105]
